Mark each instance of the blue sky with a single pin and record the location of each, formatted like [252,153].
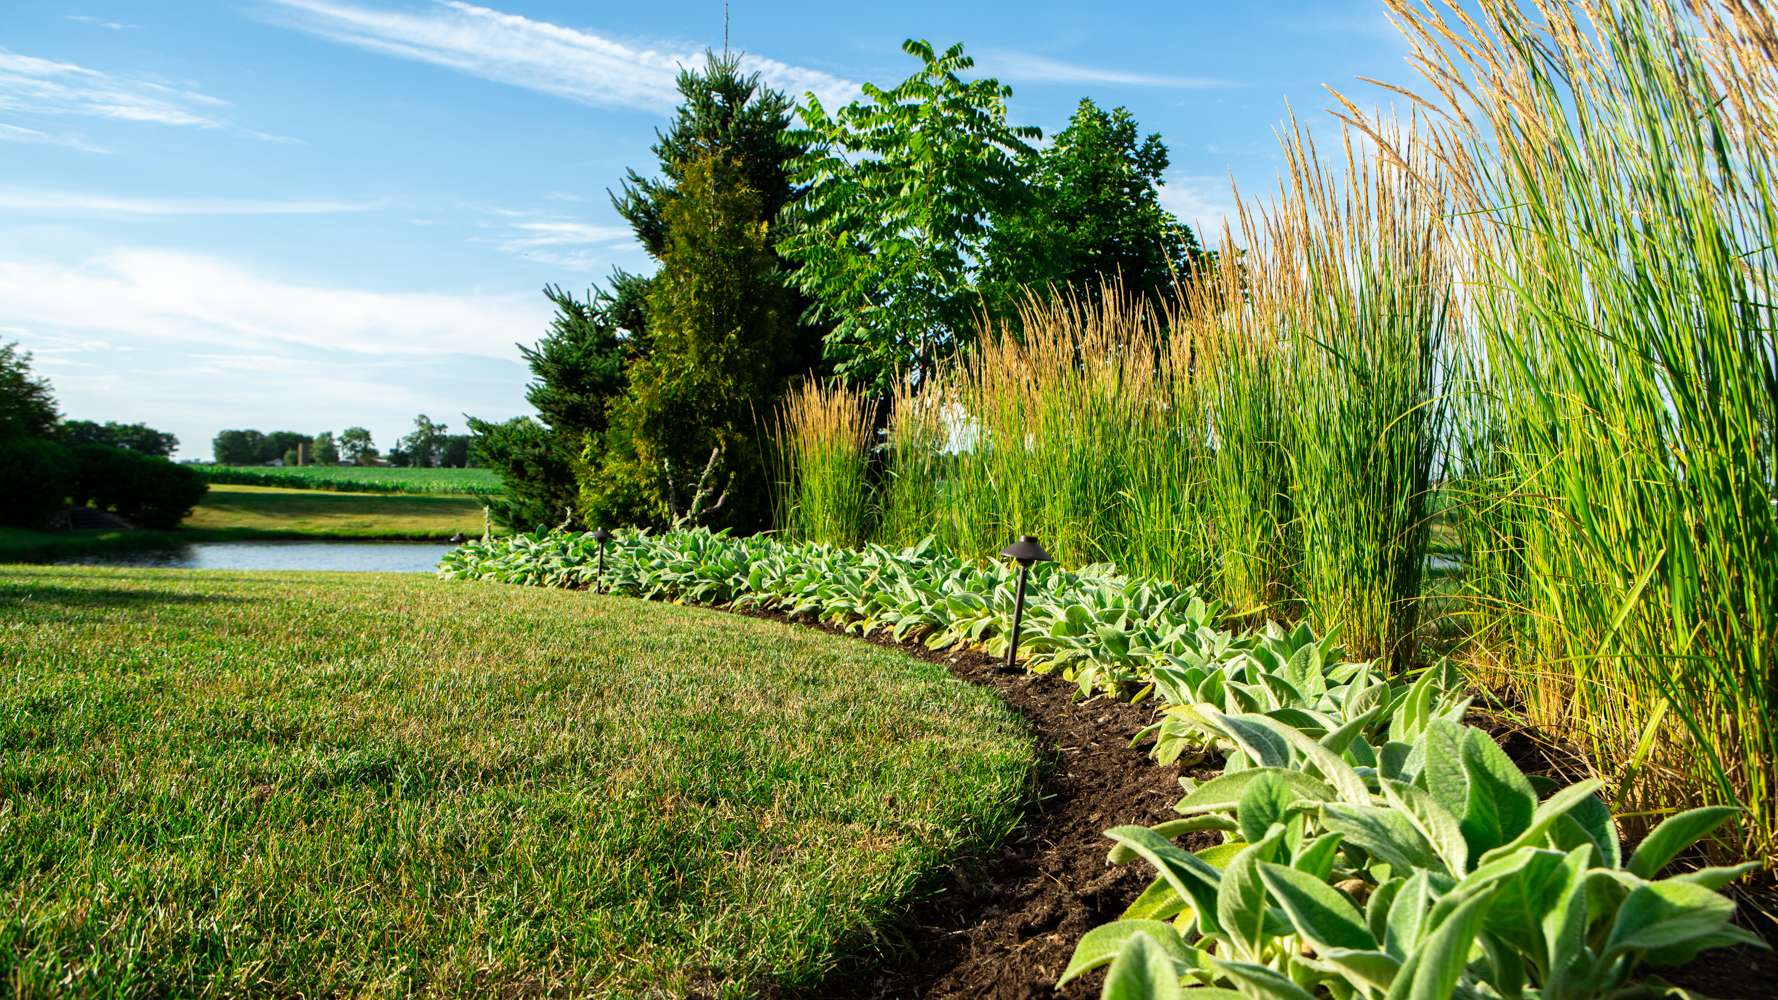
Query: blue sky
[308,214]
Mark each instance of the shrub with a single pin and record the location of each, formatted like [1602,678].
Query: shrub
[152,492]
[37,480]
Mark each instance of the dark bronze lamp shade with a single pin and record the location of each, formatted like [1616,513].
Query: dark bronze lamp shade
[1026,551]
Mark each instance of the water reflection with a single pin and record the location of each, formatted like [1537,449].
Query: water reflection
[348,557]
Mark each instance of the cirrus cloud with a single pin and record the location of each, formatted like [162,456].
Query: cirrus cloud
[524,52]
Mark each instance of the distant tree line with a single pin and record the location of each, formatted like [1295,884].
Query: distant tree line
[47,463]
[429,445]
[793,243]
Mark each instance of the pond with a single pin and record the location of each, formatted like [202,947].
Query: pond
[349,557]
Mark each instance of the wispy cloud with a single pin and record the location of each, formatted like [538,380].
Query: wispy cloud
[1031,68]
[154,297]
[26,201]
[97,22]
[538,55]
[1202,202]
[574,246]
[36,137]
[47,87]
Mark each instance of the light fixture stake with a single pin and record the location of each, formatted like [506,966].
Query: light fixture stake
[1026,552]
[601,536]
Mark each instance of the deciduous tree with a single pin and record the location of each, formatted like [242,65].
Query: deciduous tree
[27,405]
[1094,214]
[890,232]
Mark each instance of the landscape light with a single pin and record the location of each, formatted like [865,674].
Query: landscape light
[1027,553]
[601,536]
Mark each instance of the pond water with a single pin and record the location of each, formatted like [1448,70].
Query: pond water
[349,557]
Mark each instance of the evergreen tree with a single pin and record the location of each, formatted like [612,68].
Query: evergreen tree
[577,369]
[578,366]
[685,439]
[724,112]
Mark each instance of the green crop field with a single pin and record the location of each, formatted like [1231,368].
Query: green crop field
[481,482]
[290,784]
[238,512]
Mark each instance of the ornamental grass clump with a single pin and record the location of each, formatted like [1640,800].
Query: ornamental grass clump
[1081,434]
[824,438]
[1611,173]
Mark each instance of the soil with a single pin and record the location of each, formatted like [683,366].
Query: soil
[1003,926]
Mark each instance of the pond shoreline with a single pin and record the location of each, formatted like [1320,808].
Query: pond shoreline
[352,555]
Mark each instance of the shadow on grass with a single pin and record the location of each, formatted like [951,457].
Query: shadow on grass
[14,593]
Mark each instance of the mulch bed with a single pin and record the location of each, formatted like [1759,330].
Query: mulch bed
[1004,926]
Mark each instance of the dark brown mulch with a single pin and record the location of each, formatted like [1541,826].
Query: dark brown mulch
[1005,925]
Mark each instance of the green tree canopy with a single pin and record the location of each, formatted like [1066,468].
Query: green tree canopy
[892,228]
[578,366]
[238,447]
[356,446]
[323,450]
[27,404]
[536,472]
[424,445]
[139,438]
[1094,215]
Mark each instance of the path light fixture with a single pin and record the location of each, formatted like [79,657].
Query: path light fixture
[1027,553]
[601,536]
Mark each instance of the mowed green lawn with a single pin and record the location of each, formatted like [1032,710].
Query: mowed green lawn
[214,784]
[259,511]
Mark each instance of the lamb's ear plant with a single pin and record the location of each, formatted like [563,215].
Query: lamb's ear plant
[1449,877]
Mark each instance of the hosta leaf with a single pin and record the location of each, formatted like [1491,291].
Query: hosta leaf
[1101,946]
[1321,914]
[1675,834]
